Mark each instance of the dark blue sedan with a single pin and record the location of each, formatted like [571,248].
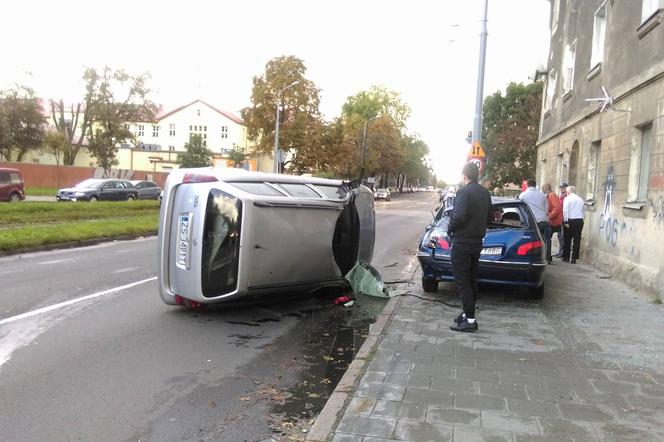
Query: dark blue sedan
[513,250]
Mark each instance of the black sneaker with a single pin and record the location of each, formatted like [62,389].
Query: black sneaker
[459,319]
[465,326]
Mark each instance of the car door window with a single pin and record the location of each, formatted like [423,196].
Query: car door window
[258,189]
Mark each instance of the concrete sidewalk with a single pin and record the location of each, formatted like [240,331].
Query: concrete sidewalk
[585,363]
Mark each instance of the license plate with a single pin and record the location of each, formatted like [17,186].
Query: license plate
[492,251]
[184,236]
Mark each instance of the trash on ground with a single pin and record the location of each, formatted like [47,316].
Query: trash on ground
[341,300]
[365,279]
[349,303]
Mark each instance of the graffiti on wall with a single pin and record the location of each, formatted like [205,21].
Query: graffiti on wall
[610,227]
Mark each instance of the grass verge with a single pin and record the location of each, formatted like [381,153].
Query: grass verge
[38,212]
[27,236]
[41,191]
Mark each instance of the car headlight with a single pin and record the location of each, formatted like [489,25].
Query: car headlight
[79,194]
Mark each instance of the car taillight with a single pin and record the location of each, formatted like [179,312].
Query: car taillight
[441,243]
[198,178]
[528,248]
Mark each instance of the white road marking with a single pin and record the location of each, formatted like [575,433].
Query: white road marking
[128,269]
[56,261]
[60,305]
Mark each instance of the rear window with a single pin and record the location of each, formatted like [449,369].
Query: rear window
[258,189]
[332,192]
[221,244]
[14,178]
[508,216]
[299,190]
[4,178]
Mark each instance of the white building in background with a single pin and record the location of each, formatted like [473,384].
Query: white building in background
[158,143]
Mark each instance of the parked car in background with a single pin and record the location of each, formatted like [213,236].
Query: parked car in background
[147,190]
[513,250]
[230,234]
[99,190]
[12,187]
[382,194]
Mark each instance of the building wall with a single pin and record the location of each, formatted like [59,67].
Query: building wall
[621,235]
[600,152]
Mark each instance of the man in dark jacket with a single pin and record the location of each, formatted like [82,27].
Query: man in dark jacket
[471,213]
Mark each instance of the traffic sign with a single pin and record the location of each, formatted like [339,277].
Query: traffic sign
[478,162]
[476,151]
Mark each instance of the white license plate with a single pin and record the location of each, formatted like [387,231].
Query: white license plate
[184,235]
[492,251]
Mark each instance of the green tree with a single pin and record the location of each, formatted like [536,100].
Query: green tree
[115,99]
[195,154]
[66,122]
[300,119]
[237,156]
[510,131]
[56,144]
[377,101]
[21,122]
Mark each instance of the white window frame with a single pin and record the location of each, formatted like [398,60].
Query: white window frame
[599,36]
[155,131]
[224,132]
[649,8]
[569,60]
[593,169]
[171,129]
[551,83]
[555,13]
[140,131]
[639,165]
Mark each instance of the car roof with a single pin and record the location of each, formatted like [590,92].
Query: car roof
[8,169]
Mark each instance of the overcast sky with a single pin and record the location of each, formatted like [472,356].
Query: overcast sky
[426,50]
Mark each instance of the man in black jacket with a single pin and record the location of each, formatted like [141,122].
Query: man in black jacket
[471,213]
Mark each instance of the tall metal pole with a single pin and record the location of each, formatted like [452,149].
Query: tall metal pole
[479,98]
[275,167]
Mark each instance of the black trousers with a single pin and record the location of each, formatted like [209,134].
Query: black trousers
[465,265]
[573,238]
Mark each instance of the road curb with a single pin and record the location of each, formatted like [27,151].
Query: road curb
[74,244]
[328,419]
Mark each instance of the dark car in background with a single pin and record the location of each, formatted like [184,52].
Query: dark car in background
[99,190]
[147,190]
[11,185]
[513,250]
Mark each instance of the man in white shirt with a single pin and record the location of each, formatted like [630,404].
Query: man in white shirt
[538,204]
[573,207]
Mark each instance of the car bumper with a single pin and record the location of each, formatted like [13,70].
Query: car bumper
[491,272]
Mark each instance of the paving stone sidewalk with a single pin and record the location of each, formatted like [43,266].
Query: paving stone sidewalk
[584,364]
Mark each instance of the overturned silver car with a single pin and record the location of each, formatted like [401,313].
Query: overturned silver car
[227,234]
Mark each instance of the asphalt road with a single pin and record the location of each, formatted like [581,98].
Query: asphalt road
[89,352]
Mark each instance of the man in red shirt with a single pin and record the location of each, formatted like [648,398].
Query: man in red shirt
[555,214]
[561,236]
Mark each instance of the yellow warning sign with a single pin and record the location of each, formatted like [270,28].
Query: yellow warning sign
[477,151]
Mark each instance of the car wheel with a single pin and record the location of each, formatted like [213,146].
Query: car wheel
[537,292]
[130,198]
[429,285]
[15,197]
[93,199]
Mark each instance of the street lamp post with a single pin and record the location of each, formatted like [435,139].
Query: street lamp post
[477,123]
[364,147]
[275,167]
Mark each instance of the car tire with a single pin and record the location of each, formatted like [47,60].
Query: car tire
[130,198]
[14,197]
[93,199]
[537,292]
[429,285]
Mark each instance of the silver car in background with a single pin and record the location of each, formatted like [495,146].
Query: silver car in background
[227,234]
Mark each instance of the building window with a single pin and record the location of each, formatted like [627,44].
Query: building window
[649,7]
[155,131]
[555,12]
[171,148]
[569,59]
[141,130]
[599,31]
[639,165]
[224,131]
[593,163]
[550,90]
[171,130]
[198,112]
[127,125]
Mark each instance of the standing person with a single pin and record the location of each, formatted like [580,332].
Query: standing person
[561,233]
[538,204]
[555,213]
[573,216]
[467,227]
